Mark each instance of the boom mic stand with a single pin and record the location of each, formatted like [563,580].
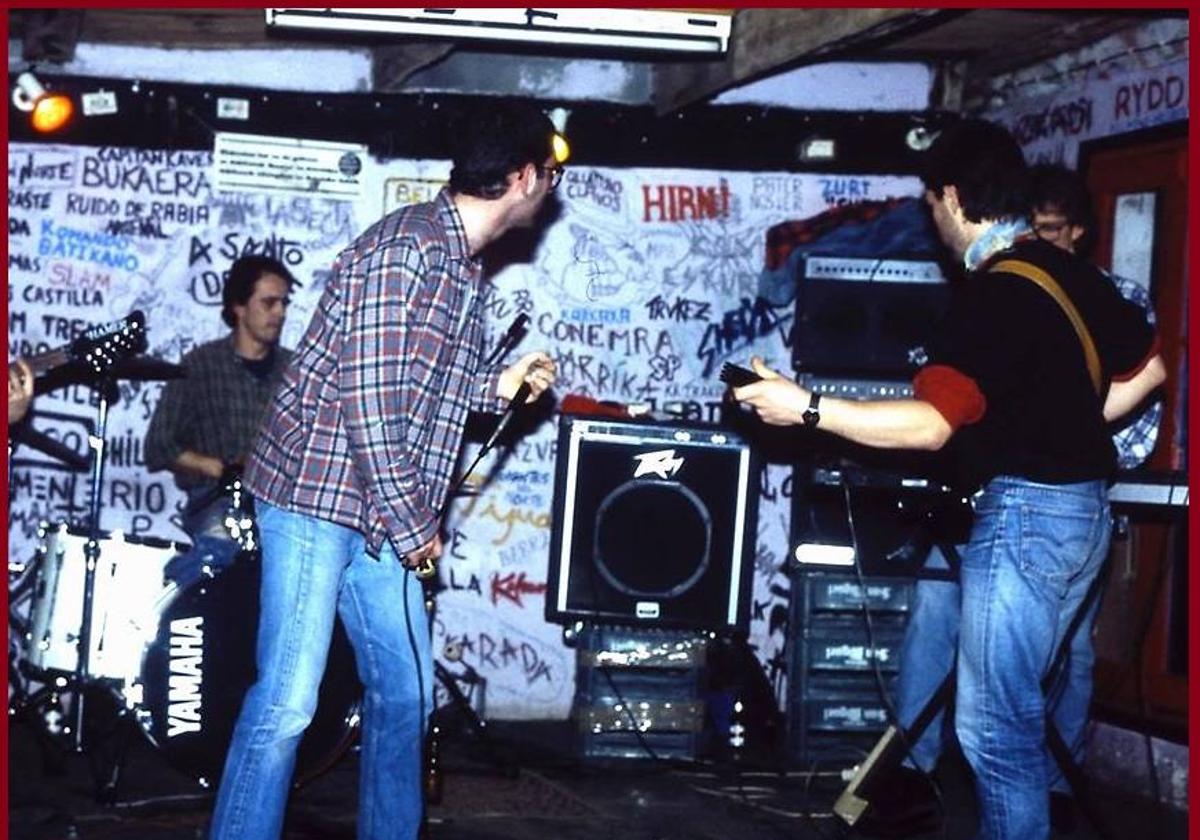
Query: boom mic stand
[475,724]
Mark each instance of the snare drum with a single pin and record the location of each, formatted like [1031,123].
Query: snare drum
[200,664]
[126,598]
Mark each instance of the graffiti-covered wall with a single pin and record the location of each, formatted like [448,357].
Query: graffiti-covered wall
[1051,127]
[643,285]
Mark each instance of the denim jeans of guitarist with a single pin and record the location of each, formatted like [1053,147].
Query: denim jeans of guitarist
[929,652]
[1034,551]
[312,569]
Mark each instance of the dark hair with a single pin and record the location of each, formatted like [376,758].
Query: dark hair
[243,275]
[495,140]
[983,162]
[1052,185]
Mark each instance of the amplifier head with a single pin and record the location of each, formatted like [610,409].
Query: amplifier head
[876,322]
[654,524]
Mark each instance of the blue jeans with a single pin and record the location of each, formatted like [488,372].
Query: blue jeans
[310,568]
[1034,551]
[928,653]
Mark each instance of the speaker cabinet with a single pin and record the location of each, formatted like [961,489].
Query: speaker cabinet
[654,525]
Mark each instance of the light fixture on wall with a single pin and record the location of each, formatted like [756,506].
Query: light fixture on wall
[562,149]
[816,149]
[47,111]
[559,144]
[919,138]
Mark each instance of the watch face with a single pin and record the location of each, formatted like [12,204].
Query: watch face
[812,416]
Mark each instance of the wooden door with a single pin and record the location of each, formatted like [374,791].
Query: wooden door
[1141,638]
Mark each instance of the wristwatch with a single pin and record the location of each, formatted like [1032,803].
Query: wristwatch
[812,414]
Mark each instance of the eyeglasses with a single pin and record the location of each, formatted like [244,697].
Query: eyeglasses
[1049,229]
[556,174]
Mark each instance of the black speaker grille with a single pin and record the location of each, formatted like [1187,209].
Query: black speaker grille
[653,539]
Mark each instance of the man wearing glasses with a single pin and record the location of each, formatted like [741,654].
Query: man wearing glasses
[1063,216]
[352,468]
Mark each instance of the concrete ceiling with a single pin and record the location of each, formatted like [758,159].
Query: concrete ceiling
[969,46]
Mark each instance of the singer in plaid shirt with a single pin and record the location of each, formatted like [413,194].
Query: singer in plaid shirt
[353,465]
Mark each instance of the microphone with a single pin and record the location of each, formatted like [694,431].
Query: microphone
[511,336]
[516,402]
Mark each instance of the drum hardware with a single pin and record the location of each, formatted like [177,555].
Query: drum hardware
[75,648]
[226,508]
[94,354]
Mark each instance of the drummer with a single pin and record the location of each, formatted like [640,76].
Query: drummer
[205,422]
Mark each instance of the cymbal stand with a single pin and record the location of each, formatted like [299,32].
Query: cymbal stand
[106,390]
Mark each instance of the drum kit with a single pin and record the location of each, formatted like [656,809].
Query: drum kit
[107,638]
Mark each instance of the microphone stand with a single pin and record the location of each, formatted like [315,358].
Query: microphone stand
[426,572]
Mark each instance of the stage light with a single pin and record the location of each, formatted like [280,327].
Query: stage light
[816,148]
[51,113]
[48,111]
[559,144]
[26,92]
[919,138]
[562,149]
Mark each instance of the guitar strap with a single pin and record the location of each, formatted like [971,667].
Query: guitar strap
[1031,272]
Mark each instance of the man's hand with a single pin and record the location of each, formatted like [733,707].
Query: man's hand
[20,390]
[777,401]
[537,368]
[423,561]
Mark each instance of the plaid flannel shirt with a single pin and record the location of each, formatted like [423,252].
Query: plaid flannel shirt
[215,409]
[1136,434]
[367,425]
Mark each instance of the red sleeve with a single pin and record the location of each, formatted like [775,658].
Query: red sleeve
[954,394]
[1155,348]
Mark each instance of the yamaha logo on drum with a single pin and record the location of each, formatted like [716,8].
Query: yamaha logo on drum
[187,673]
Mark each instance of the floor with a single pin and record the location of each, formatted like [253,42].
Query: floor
[546,792]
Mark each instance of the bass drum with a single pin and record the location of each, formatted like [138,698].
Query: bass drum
[200,664]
